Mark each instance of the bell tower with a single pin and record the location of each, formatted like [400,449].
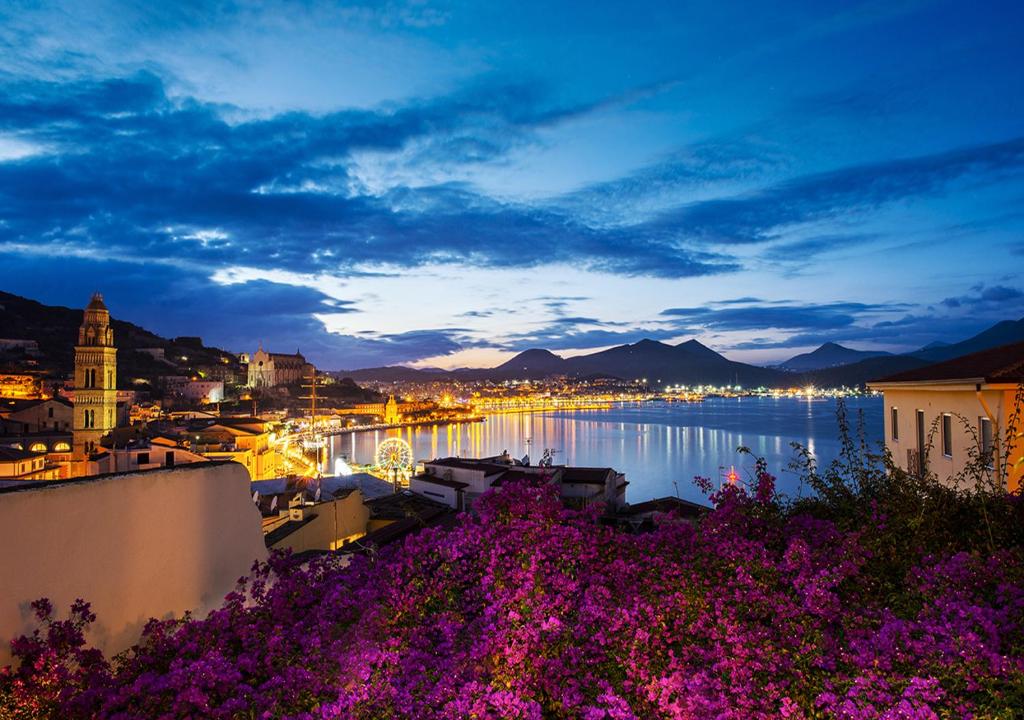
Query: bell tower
[95,412]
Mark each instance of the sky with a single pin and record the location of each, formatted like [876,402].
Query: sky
[446,184]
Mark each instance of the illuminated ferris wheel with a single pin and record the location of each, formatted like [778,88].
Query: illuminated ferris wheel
[394,459]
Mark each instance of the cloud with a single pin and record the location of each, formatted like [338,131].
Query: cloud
[139,174]
[235,316]
[762,215]
[992,296]
[807,249]
[791,316]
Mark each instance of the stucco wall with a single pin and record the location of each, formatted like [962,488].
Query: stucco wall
[135,545]
[336,522]
[962,404]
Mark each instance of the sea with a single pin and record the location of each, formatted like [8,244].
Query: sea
[660,446]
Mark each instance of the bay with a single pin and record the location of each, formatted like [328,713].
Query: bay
[659,446]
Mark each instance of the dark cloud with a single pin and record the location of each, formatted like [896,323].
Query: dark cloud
[129,170]
[760,216]
[993,296]
[235,317]
[825,316]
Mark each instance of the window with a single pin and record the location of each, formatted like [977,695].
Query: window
[947,435]
[62,447]
[49,412]
[985,437]
[143,458]
[37,447]
[920,442]
[894,422]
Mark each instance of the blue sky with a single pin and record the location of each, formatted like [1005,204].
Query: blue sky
[446,184]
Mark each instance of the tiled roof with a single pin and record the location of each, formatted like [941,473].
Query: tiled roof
[667,504]
[11,454]
[464,464]
[433,479]
[1004,364]
[589,476]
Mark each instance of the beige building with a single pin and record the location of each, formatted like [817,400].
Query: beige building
[302,524]
[18,464]
[273,369]
[39,415]
[941,417]
[135,545]
[246,441]
[459,482]
[95,410]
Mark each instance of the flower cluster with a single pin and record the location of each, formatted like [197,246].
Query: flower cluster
[529,610]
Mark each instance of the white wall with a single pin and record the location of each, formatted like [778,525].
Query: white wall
[135,545]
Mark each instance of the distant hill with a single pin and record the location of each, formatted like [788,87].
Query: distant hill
[1002,333]
[828,355]
[688,363]
[529,365]
[55,329]
[859,373]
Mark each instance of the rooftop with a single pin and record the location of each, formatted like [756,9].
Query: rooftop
[11,454]
[469,464]
[435,480]
[1003,364]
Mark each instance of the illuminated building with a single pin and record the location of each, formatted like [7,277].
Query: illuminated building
[391,415]
[941,418]
[273,369]
[95,409]
[19,387]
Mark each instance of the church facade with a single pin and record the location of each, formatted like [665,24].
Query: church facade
[272,369]
[95,407]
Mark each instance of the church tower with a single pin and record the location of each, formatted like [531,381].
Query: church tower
[95,412]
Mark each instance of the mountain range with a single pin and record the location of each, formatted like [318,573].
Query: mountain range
[686,363]
[692,363]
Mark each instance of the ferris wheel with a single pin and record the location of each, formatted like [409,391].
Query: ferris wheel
[394,457]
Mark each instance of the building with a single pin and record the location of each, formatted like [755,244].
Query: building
[205,391]
[942,417]
[95,410]
[459,482]
[18,345]
[391,415]
[244,440]
[19,386]
[136,545]
[16,464]
[145,455]
[273,369]
[40,415]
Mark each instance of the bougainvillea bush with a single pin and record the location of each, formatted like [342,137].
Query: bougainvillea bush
[762,609]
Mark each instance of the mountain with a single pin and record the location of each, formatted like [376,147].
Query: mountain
[688,363]
[528,365]
[1002,333]
[828,355]
[858,373]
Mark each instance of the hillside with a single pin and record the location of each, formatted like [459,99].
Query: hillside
[55,328]
[1002,333]
[828,355]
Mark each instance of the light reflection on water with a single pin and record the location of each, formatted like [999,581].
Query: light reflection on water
[655,444]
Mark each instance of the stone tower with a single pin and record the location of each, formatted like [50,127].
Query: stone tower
[95,412]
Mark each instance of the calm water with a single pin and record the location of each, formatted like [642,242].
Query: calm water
[658,445]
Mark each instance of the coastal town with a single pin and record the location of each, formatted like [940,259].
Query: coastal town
[560,360]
